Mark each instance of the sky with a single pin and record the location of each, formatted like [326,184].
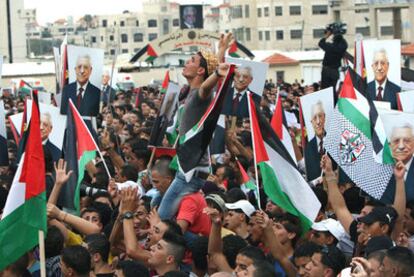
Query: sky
[50,10]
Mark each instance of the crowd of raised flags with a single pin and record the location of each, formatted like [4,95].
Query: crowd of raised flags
[260,189]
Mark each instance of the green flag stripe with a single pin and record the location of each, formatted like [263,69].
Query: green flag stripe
[356,117]
[86,157]
[386,154]
[274,191]
[19,230]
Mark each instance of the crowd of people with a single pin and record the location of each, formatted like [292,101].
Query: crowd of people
[158,224]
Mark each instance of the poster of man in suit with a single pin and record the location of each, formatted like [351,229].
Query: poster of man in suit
[191,16]
[399,127]
[249,76]
[317,108]
[85,73]
[382,60]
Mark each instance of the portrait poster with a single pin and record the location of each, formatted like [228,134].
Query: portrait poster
[314,102]
[191,16]
[58,121]
[258,71]
[97,62]
[392,49]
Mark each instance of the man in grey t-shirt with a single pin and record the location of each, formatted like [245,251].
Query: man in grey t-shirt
[202,73]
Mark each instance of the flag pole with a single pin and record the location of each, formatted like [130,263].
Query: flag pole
[42,253]
[254,153]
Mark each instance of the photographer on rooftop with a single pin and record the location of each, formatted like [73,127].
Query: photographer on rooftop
[334,51]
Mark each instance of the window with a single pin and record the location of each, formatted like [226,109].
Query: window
[93,39]
[152,23]
[122,24]
[164,9]
[111,37]
[387,31]
[124,51]
[136,50]
[246,11]
[248,35]
[176,22]
[319,9]
[104,23]
[363,31]
[137,23]
[318,33]
[152,36]
[138,37]
[278,11]
[280,75]
[267,35]
[294,10]
[237,11]
[112,52]
[279,35]
[124,38]
[295,34]
[259,12]
[260,35]
[102,38]
[165,26]
[266,11]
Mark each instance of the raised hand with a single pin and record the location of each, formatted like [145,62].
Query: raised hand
[60,169]
[214,215]
[153,217]
[399,170]
[129,200]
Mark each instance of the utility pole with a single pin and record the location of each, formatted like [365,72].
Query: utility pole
[9,34]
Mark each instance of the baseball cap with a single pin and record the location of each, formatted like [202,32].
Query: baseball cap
[218,200]
[332,226]
[244,205]
[386,215]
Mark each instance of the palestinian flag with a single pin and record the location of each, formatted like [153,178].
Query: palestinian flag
[247,181]
[163,151]
[279,125]
[236,50]
[4,154]
[193,144]
[24,87]
[80,149]
[147,52]
[360,149]
[282,181]
[172,131]
[25,210]
[165,83]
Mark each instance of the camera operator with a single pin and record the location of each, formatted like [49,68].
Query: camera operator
[334,51]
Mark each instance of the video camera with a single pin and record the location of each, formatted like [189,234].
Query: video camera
[336,28]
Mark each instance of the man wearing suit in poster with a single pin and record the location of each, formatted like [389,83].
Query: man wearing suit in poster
[46,127]
[235,103]
[84,95]
[107,92]
[381,88]
[315,149]
[402,147]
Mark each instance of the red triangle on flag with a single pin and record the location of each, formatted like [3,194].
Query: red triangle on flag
[348,90]
[150,51]
[33,170]
[233,47]
[258,145]
[84,136]
[277,119]
[243,172]
[164,85]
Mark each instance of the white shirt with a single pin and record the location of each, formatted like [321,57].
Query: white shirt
[383,88]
